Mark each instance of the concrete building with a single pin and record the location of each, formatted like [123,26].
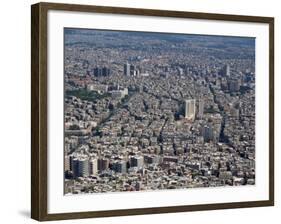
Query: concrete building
[93,166]
[136,161]
[151,159]
[80,167]
[190,109]
[67,166]
[132,70]
[121,93]
[207,133]
[234,85]
[103,164]
[226,70]
[200,108]
[127,69]
[119,166]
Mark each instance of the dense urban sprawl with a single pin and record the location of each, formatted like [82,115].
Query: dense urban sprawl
[148,111]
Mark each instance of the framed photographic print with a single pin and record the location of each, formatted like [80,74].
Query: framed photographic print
[140,111]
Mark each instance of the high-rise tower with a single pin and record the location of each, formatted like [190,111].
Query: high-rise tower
[127,69]
[190,109]
[200,108]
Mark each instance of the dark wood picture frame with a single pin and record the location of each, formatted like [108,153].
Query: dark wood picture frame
[39,105]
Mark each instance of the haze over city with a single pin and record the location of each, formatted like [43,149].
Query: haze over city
[152,111]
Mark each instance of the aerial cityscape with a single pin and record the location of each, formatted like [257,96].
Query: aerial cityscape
[152,111]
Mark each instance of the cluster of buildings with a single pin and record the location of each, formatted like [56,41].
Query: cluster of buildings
[132,70]
[100,71]
[189,123]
